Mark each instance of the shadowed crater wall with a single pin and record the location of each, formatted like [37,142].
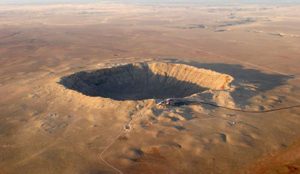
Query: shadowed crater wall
[140,81]
[261,81]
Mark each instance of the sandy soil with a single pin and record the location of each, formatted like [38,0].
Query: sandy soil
[46,127]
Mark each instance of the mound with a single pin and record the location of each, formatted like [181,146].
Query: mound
[139,81]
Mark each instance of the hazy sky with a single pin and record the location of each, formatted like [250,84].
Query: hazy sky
[150,1]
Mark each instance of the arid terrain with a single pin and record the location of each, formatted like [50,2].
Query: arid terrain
[80,83]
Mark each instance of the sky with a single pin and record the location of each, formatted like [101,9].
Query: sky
[151,1]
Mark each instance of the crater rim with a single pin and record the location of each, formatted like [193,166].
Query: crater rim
[146,80]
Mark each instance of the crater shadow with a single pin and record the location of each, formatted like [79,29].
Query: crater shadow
[248,82]
[129,82]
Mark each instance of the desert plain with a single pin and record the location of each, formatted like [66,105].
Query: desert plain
[79,86]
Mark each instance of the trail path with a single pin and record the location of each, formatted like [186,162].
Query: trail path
[126,128]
